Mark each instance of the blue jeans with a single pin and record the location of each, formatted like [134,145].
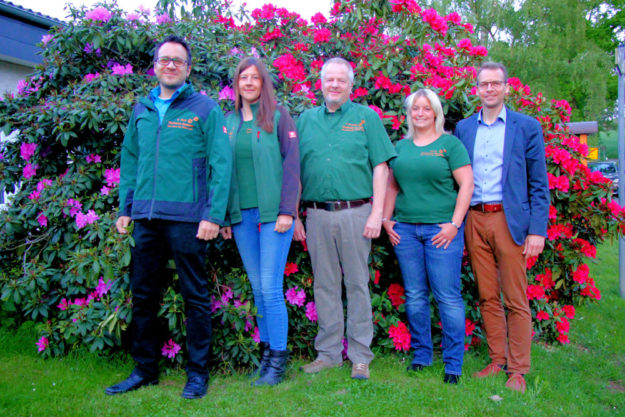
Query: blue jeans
[264,252]
[424,266]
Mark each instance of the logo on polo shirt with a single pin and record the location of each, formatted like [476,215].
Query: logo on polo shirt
[183,123]
[435,152]
[353,127]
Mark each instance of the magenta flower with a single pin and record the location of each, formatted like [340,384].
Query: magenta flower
[226,93]
[76,206]
[46,38]
[311,311]
[256,335]
[45,182]
[111,176]
[295,297]
[144,10]
[100,14]
[63,305]
[103,287]
[90,77]
[133,17]
[80,302]
[81,220]
[119,69]
[34,195]
[226,296]
[29,170]
[104,190]
[93,158]
[170,349]
[21,86]
[1,155]
[249,323]
[42,219]
[27,150]
[163,18]
[42,344]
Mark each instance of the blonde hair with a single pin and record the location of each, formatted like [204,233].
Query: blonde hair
[435,103]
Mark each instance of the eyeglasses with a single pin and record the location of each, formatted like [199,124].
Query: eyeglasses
[494,84]
[164,61]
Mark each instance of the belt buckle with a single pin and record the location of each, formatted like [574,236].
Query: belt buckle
[332,206]
[483,207]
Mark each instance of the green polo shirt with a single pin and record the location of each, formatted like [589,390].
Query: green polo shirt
[339,150]
[427,190]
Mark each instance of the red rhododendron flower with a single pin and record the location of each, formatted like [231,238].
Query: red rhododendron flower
[535,292]
[569,311]
[318,19]
[580,275]
[400,335]
[531,261]
[563,338]
[290,268]
[396,294]
[376,277]
[469,327]
[542,315]
[563,325]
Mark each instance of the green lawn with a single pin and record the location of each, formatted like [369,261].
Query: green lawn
[585,378]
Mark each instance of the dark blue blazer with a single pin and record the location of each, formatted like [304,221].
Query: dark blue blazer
[524,176]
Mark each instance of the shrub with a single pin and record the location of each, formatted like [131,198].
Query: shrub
[63,265]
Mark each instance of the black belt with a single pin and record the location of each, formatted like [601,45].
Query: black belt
[336,205]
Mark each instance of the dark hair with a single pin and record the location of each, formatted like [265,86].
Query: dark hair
[266,101]
[493,66]
[174,39]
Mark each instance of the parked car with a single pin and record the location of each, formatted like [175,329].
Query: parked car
[609,169]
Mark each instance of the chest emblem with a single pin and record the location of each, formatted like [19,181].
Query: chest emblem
[183,123]
[354,127]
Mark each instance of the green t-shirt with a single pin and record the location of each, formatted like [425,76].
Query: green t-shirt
[427,190]
[245,166]
[339,150]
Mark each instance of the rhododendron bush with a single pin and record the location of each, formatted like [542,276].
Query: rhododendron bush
[63,265]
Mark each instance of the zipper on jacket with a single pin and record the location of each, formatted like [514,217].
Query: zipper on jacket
[158,142]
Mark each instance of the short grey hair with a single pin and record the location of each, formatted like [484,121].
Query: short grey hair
[435,103]
[338,60]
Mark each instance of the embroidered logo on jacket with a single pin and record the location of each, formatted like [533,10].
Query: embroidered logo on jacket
[353,127]
[182,123]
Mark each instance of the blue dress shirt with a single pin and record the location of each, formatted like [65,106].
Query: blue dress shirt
[488,159]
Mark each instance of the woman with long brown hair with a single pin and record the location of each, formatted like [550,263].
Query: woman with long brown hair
[263,204]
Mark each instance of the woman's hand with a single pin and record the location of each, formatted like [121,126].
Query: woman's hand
[445,236]
[226,232]
[283,223]
[392,234]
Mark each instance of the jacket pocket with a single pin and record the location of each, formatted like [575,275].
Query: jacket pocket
[199,179]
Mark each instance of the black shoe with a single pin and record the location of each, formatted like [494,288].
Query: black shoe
[195,387]
[451,379]
[264,361]
[275,369]
[415,367]
[133,382]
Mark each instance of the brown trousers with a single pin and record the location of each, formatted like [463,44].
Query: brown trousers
[499,266]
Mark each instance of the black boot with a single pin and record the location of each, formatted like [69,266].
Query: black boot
[264,361]
[275,369]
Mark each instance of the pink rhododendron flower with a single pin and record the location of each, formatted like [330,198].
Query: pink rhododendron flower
[100,14]
[63,305]
[46,38]
[84,219]
[119,69]
[75,205]
[274,34]
[311,311]
[42,344]
[227,93]
[42,219]
[29,170]
[163,18]
[290,268]
[103,287]
[170,349]
[133,17]
[104,190]
[90,77]
[295,297]
[27,150]
[93,158]
[111,176]
[21,86]
[400,335]
[256,335]
[226,296]
[34,195]
[45,182]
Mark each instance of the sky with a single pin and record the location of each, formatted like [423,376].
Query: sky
[56,8]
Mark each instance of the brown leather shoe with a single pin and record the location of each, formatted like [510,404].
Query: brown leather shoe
[490,370]
[516,382]
[318,365]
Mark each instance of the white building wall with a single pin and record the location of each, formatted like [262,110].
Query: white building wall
[10,74]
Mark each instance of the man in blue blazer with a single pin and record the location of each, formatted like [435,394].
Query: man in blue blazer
[507,222]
